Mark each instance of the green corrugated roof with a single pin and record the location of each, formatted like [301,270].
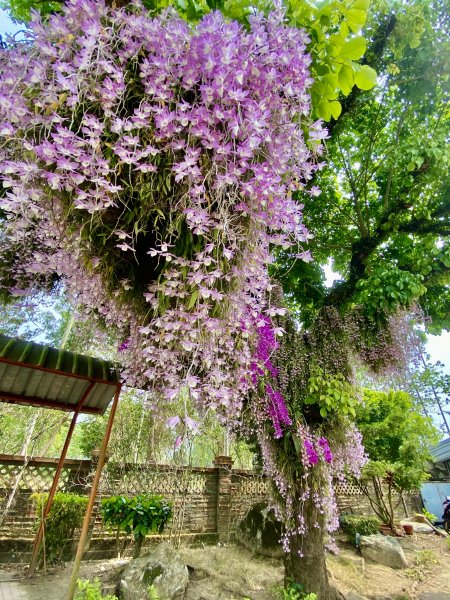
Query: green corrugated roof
[54,359]
[32,373]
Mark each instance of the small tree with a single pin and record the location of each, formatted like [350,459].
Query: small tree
[65,516]
[139,515]
[397,439]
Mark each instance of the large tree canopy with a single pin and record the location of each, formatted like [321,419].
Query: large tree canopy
[382,217]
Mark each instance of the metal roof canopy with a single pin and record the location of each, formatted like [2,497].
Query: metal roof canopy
[441,452]
[38,375]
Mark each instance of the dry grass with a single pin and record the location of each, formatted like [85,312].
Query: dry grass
[234,573]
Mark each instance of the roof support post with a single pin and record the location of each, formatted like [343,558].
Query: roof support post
[52,492]
[90,506]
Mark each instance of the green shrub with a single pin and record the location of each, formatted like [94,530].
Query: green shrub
[91,590]
[353,524]
[66,515]
[139,515]
[432,518]
[296,591]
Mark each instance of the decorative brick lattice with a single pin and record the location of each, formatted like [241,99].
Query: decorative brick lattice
[253,486]
[145,480]
[207,502]
[347,488]
[37,478]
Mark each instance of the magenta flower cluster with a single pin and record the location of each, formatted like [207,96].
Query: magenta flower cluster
[318,448]
[266,345]
[262,368]
[327,454]
[226,110]
[313,457]
[321,468]
[277,411]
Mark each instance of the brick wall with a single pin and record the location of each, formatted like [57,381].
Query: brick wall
[208,503]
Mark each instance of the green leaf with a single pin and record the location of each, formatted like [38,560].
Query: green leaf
[323,110]
[331,83]
[366,78]
[361,4]
[323,412]
[343,30]
[354,48]
[297,444]
[336,109]
[414,42]
[356,19]
[346,79]
[193,299]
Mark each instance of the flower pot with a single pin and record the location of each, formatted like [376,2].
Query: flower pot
[385,530]
[408,529]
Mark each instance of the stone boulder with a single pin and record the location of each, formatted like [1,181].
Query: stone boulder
[383,549]
[418,527]
[161,567]
[350,595]
[260,531]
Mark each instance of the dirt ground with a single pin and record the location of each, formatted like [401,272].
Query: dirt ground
[428,575]
[233,573]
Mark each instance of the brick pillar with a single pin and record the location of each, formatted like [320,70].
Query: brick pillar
[224,466]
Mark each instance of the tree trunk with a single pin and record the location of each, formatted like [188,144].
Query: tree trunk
[24,452]
[138,546]
[305,564]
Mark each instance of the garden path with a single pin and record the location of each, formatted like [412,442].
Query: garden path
[11,590]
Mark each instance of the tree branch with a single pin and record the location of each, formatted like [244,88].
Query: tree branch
[363,248]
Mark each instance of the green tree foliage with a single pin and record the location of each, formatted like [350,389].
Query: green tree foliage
[381,219]
[66,515]
[394,431]
[139,433]
[50,318]
[336,47]
[20,10]
[397,438]
[40,318]
[30,431]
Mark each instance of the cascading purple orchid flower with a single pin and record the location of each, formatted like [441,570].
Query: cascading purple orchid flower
[226,110]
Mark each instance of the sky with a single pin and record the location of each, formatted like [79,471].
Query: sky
[6,25]
[438,346]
